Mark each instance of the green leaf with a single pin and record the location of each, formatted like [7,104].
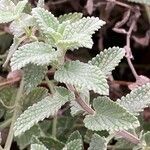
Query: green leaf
[10,12]
[79,34]
[38,147]
[34,96]
[23,23]
[20,7]
[108,59]
[82,75]
[47,22]
[147,138]
[137,100]
[72,17]
[52,143]
[41,110]
[24,140]
[74,145]
[109,116]
[37,53]
[74,136]
[33,75]
[98,143]
[147,2]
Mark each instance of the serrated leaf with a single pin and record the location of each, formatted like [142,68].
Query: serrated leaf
[23,23]
[34,96]
[20,7]
[137,100]
[47,22]
[33,75]
[10,12]
[38,147]
[74,145]
[74,136]
[72,17]
[75,107]
[41,110]
[52,143]
[108,59]
[79,34]
[24,140]
[147,2]
[109,116]
[82,75]
[38,53]
[98,143]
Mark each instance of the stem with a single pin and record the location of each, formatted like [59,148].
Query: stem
[17,111]
[128,136]
[5,124]
[80,101]
[54,126]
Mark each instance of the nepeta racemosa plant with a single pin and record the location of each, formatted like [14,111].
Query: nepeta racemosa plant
[42,40]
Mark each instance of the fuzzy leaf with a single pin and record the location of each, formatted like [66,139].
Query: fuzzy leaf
[147,138]
[108,59]
[47,22]
[79,34]
[34,96]
[82,75]
[10,12]
[74,136]
[33,75]
[43,109]
[22,25]
[37,53]
[147,2]
[109,116]
[38,147]
[24,140]
[98,143]
[137,100]
[72,17]
[74,145]
[20,7]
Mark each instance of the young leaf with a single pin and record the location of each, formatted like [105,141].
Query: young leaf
[19,27]
[37,53]
[82,75]
[74,145]
[33,75]
[72,17]
[20,7]
[108,59]
[98,143]
[137,100]
[48,23]
[38,147]
[147,2]
[109,116]
[43,109]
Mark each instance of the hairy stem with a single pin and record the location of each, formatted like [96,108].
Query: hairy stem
[5,124]
[17,111]
[80,101]
[129,137]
